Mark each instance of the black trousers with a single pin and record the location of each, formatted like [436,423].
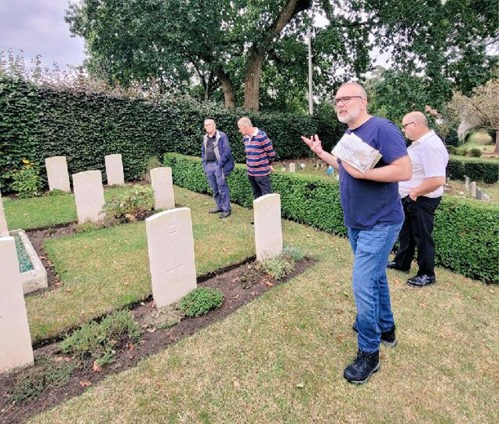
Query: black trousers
[260,186]
[416,233]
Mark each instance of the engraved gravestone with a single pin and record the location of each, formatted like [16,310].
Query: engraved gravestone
[268,228]
[89,196]
[4,230]
[170,245]
[162,185]
[114,170]
[57,173]
[15,345]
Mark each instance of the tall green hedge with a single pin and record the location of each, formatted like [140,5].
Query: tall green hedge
[37,123]
[466,232]
[483,170]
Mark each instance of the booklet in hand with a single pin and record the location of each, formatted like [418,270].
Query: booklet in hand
[356,152]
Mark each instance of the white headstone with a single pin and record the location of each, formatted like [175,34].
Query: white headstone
[162,185]
[4,230]
[292,167]
[114,170]
[89,196]
[473,189]
[15,339]
[268,228]
[466,182]
[57,173]
[170,245]
[479,194]
[485,197]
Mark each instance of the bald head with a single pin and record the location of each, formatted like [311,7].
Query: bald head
[417,117]
[415,125]
[359,90]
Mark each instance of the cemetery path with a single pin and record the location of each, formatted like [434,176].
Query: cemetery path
[240,285]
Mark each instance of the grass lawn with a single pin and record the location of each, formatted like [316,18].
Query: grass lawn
[280,358]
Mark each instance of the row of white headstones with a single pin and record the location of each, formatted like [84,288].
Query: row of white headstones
[170,245]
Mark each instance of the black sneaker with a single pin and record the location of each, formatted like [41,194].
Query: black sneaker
[393,265]
[388,338]
[224,214]
[359,371]
[215,210]
[421,280]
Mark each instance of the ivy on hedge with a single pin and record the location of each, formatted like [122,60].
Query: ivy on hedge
[85,127]
[465,233]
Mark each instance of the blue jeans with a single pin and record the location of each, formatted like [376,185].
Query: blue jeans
[371,249]
[218,183]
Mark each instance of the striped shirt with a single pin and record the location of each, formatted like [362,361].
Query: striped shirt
[259,153]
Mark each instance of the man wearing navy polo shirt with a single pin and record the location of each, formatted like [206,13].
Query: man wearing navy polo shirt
[259,157]
[373,215]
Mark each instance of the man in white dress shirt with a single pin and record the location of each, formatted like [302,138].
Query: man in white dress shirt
[420,197]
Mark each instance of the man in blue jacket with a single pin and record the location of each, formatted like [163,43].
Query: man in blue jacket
[218,163]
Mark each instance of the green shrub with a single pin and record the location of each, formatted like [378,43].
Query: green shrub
[278,267]
[200,301]
[26,181]
[475,153]
[315,201]
[451,149]
[132,206]
[99,340]
[31,382]
[480,170]
[294,253]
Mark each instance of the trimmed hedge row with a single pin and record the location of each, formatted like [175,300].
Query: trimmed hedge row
[481,170]
[38,123]
[466,233]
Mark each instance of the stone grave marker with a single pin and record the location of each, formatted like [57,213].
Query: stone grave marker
[57,173]
[15,346]
[4,230]
[114,170]
[170,246]
[479,194]
[466,182]
[89,196]
[473,189]
[292,167]
[162,185]
[485,197]
[268,228]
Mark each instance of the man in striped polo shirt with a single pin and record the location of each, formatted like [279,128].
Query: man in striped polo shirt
[259,157]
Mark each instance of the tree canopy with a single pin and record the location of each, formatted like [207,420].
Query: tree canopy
[254,51]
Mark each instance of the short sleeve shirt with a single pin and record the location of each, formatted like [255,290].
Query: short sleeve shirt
[429,159]
[368,203]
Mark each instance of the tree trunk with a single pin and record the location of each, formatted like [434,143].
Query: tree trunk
[228,89]
[252,79]
[256,54]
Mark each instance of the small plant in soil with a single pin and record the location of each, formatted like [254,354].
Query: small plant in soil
[46,372]
[283,264]
[98,341]
[133,206]
[199,301]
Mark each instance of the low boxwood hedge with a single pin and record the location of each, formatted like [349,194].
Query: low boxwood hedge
[466,232]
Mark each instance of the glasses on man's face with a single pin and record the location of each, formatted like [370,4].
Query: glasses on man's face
[345,99]
[409,123]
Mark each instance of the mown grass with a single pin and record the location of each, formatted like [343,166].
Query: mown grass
[108,268]
[280,358]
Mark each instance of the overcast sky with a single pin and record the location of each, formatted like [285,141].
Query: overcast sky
[38,27]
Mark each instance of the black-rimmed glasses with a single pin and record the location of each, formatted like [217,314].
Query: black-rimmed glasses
[409,123]
[345,99]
